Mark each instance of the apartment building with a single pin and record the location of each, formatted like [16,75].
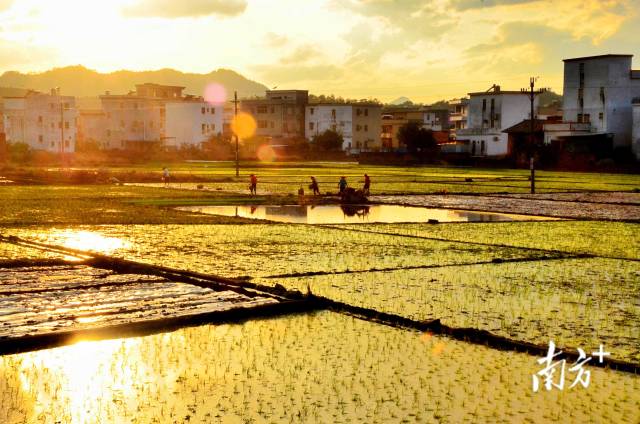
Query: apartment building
[280,114]
[458,110]
[489,113]
[359,124]
[158,116]
[43,121]
[598,93]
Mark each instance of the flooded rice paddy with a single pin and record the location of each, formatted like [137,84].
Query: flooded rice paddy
[268,250]
[355,214]
[320,367]
[572,282]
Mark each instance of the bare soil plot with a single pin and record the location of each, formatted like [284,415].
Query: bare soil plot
[555,208]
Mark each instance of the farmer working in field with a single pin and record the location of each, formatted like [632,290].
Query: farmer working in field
[314,186]
[367,185]
[253,187]
[165,176]
[342,185]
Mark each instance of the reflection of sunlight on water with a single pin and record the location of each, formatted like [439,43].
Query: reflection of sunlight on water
[87,240]
[86,375]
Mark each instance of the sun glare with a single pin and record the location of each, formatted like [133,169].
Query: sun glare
[90,241]
[244,125]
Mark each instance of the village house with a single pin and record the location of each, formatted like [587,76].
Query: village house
[42,121]
[280,114]
[158,116]
[489,114]
[359,124]
[597,103]
[436,120]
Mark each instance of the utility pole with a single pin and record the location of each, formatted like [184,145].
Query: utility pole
[532,95]
[235,132]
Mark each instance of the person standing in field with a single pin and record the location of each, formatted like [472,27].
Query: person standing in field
[253,187]
[342,185]
[314,186]
[165,176]
[367,185]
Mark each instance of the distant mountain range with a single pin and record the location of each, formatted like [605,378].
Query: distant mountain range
[82,82]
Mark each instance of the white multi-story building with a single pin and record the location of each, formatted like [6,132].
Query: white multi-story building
[489,113]
[598,91]
[159,116]
[458,109]
[359,124]
[43,121]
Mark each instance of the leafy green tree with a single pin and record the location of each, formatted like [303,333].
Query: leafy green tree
[20,152]
[416,138]
[328,141]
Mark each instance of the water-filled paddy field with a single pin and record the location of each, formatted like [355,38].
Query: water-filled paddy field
[576,282]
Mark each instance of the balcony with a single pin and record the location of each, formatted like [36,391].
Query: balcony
[477,131]
[568,127]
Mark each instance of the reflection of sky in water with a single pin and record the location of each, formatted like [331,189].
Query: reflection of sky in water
[353,214]
[86,240]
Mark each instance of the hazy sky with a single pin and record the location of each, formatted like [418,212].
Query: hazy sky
[425,50]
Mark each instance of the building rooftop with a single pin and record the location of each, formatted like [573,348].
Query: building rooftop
[602,56]
[495,93]
[345,104]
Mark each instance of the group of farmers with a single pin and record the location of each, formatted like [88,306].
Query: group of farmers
[342,185]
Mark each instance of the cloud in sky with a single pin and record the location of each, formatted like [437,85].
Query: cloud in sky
[185,8]
[423,49]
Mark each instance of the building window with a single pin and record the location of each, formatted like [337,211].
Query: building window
[213,110]
[311,125]
[262,124]
[311,111]
[602,94]
[40,138]
[484,105]
[273,109]
[333,114]
[262,109]
[213,127]
[66,125]
[601,116]
[586,118]
[40,119]
[366,127]
[66,143]
[202,110]
[580,118]
[59,124]
[272,124]
[358,127]
[358,112]
[366,112]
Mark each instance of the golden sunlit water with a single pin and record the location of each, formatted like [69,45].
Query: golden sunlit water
[273,371]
